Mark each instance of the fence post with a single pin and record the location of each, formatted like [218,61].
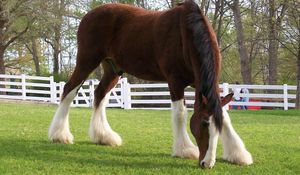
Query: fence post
[285,97]
[23,80]
[225,92]
[126,93]
[52,90]
[91,92]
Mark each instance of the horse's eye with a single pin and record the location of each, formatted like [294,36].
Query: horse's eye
[205,123]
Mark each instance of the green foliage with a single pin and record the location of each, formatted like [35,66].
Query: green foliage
[271,136]
[61,77]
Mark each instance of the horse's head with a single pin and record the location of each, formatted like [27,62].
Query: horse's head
[203,127]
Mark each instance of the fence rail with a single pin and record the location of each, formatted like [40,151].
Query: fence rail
[127,96]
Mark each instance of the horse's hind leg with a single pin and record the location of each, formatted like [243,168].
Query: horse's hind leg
[100,131]
[59,129]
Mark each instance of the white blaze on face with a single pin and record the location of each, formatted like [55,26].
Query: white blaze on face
[234,149]
[210,156]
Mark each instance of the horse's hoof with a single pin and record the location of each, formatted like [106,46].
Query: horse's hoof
[191,152]
[241,157]
[110,138]
[207,163]
[202,165]
[113,139]
[62,141]
[63,137]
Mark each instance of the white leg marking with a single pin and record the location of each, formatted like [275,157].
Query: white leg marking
[233,147]
[59,129]
[182,145]
[100,131]
[210,156]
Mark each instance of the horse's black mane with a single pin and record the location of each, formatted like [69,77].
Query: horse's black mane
[205,52]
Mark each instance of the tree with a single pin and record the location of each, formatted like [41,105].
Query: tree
[204,6]
[12,17]
[56,10]
[32,47]
[298,71]
[291,39]
[274,21]
[244,58]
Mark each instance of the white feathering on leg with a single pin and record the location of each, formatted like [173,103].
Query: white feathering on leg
[182,145]
[233,147]
[100,131]
[59,129]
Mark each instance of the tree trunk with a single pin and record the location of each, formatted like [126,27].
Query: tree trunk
[218,18]
[216,13]
[2,47]
[56,60]
[35,57]
[298,76]
[57,37]
[56,50]
[244,58]
[203,5]
[220,22]
[273,44]
[2,66]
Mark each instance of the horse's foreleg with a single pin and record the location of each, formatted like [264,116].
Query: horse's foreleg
[182,145]
[100,131]
[233,147]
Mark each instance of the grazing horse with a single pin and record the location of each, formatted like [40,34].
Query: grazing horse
[177,46]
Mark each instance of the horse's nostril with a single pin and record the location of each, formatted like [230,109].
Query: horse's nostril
[202,164]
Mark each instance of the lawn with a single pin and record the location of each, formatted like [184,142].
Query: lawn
[273,138]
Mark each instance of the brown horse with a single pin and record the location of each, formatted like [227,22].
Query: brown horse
[177,46]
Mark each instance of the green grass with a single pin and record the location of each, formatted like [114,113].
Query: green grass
[273,138]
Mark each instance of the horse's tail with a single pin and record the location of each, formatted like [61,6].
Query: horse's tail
[208,53]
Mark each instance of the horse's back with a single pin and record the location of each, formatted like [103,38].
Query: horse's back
[106,21]
[117,14]
[101,21]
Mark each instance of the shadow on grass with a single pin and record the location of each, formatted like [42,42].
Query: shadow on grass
[88,154]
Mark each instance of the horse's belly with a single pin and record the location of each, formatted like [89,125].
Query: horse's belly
[142,69]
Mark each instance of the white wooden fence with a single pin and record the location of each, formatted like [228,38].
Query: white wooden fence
[127,96]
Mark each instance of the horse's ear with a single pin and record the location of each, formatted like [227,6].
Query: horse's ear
[226,99]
